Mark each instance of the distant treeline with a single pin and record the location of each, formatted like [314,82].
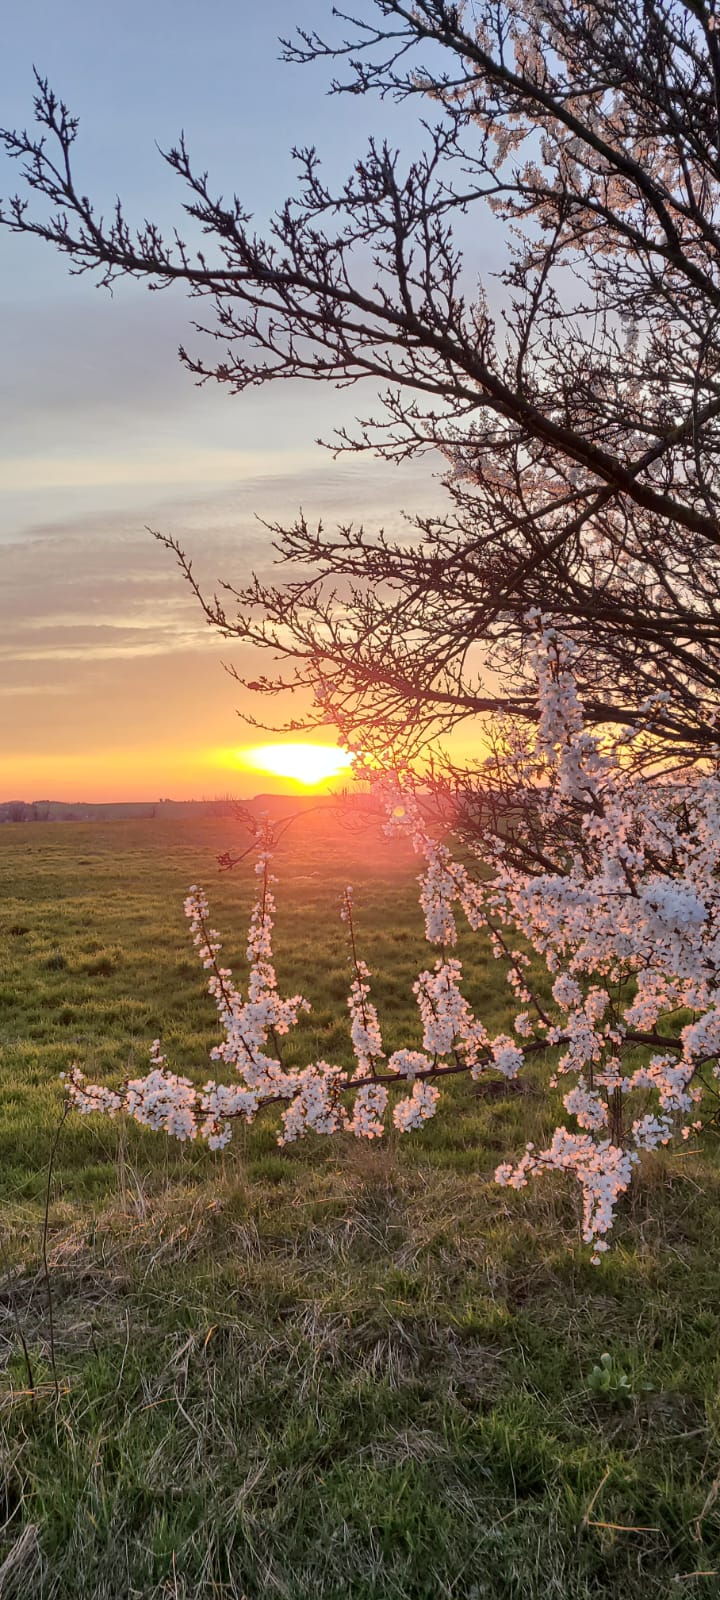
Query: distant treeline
[62,811]
[112,811]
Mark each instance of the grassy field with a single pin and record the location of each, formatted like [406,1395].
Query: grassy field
[331,1372]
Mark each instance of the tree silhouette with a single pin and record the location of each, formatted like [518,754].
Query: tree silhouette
[577,423]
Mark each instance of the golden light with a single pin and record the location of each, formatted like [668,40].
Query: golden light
[308,764]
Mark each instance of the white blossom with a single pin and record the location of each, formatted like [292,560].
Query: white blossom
[416,1108]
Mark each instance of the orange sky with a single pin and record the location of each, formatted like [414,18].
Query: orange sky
[127,774]
[111,683]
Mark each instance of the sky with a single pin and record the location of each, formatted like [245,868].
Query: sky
[111,684]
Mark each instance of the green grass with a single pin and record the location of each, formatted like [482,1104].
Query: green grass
[331,1372]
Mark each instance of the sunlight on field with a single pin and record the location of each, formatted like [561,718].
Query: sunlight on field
[308,764]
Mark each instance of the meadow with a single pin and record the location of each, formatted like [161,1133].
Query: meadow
[330,1372]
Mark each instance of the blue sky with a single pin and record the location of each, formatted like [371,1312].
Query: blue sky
[84,375]
[108,679]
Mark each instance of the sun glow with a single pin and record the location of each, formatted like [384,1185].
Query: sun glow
[309,764]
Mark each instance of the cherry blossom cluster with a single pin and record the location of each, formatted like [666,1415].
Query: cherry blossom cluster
[627,929]
[447,1020]
[603,946]
[602,1168]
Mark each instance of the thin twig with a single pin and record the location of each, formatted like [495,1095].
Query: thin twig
[46,1269]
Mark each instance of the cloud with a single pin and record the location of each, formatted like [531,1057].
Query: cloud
[141,468]
[106,660]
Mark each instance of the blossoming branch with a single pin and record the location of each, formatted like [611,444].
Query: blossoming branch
[628,933]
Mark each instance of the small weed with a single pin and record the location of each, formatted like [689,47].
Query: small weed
[609,1380]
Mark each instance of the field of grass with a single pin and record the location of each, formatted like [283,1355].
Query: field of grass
[330,1372]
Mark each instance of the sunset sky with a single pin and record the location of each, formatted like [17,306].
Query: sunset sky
[112,686]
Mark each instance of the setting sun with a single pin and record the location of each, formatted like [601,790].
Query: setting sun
[308,764]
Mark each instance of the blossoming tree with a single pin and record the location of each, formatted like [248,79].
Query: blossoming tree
[571,591]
